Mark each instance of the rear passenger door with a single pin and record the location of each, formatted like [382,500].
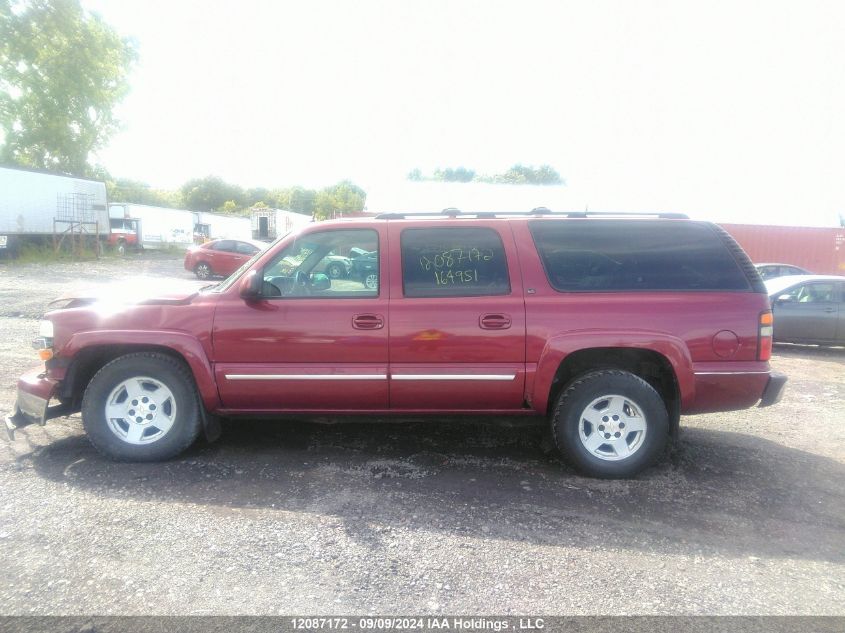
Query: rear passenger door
[224,259]
[457,317]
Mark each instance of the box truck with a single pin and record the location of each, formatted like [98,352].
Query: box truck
[155,227]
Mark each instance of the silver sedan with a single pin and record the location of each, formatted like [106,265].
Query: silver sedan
[808,308]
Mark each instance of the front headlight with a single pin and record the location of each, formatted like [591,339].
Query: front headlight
[44,343]
[45,329]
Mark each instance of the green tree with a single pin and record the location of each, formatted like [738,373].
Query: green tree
[342,199]
[258,194]
[519,174]
[62,71]
[211,192]
[126,190]
[230,207]
[525,174]
[297,199]
[547,175]
[458,174]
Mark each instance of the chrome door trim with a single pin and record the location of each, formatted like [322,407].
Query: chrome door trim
[452,376]
[306,377]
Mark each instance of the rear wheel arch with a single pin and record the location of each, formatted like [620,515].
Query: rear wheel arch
[651,366]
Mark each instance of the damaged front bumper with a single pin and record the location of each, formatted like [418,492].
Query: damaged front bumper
[35,391]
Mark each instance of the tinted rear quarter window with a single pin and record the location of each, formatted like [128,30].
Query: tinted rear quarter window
[454,262]
[224,245]
[245,249]
[631,255]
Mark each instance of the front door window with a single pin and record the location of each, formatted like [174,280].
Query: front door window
[328,264]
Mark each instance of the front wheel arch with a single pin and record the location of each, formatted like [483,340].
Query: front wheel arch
[86,362]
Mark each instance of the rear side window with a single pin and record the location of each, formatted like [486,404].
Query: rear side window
[245,249]
[453,262]
[619,255]
[224,245]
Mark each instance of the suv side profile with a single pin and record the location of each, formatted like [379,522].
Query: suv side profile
[606,328]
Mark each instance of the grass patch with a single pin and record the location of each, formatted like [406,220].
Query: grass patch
[30,253]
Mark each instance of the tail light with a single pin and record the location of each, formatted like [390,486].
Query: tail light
[764,335]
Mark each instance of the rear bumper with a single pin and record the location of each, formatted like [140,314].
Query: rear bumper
[724,387]
[774,390]
[32,406]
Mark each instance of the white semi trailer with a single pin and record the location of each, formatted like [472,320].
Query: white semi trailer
[214,226]
[269,224]
[40,205]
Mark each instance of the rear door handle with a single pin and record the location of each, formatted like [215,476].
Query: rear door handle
[830,309]
[494,321]
[367,321]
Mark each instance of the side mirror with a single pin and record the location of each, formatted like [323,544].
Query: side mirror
[784,299]
[250,285]
[319,281]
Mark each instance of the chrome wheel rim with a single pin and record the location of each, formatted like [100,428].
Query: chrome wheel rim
[612,427]
[203,271]
[371,282]
[140,410]
[334,271]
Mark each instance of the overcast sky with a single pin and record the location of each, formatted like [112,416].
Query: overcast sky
[735,109]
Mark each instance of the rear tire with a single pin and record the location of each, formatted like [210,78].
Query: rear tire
[202,270]
[142,407]
[336,271]
[610,424]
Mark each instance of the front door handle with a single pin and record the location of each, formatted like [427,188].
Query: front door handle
[829,310]
[494,321]
[367,321]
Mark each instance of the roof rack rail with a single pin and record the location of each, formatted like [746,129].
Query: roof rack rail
[625,214]
[453,212]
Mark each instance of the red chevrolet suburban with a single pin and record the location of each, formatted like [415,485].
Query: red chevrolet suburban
[606,327]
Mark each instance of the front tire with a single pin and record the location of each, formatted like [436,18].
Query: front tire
[610,424]
[142,407]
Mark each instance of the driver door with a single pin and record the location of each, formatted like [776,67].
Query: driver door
[310,343]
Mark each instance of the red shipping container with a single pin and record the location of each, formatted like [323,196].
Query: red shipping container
[819,250]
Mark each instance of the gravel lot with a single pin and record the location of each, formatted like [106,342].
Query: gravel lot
[744,515]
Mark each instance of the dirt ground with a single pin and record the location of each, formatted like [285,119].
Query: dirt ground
[745,514]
